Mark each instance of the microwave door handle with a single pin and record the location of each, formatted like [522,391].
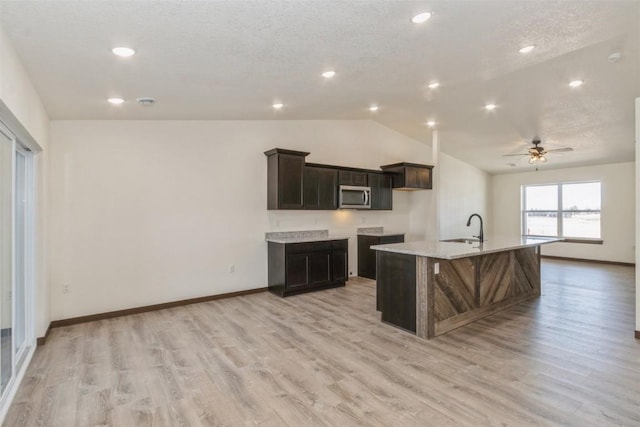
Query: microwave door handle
[366,197]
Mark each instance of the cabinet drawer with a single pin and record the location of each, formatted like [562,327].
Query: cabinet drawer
[295,248]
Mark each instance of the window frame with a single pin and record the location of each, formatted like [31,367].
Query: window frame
[560,211]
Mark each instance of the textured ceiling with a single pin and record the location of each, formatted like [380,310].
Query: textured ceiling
[233,59]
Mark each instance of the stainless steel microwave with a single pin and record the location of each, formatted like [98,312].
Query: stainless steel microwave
[352,197]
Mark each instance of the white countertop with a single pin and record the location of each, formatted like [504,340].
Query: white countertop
[453,250]
[376,232]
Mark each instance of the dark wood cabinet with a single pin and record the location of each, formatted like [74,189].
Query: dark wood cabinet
[303,267]
[340,270]
[396,287]
[320,188]
[348,177]
[367,256]
[410,176]
[285,173]
[294,184]
[381,191]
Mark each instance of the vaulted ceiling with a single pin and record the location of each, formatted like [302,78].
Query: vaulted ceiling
[220,60]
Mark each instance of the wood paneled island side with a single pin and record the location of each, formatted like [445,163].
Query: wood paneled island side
[431,287]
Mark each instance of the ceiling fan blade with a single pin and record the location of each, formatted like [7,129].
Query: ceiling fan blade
[560,150]
[511,155]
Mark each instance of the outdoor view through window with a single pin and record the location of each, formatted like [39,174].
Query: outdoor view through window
[563,210]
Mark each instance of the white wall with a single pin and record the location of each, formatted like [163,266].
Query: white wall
[464,190]
[618,210]
[145,212]
[20,97]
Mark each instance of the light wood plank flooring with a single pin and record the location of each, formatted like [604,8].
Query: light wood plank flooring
[324,359]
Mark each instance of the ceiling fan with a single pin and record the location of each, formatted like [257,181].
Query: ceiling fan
[537,153]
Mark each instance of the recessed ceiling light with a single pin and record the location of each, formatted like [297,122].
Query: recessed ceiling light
[431,123]
[490,107]
[328,74]
[421,17]
[115,101]
[278,105]
[373,108]
[433,85]
[576,83]
[123,51]
[527,49]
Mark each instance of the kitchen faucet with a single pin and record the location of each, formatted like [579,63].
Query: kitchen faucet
[481,236]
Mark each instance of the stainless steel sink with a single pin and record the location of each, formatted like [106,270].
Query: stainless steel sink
[467,240]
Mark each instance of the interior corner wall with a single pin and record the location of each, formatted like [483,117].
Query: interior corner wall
[464,190]
[146,212]
[27,112]
[618,209]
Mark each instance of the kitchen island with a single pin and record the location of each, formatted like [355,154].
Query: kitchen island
[431,287]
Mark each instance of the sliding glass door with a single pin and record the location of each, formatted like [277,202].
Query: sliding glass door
[16,259]
[20,256]
[7,153]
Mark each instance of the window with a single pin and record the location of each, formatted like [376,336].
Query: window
[569,210]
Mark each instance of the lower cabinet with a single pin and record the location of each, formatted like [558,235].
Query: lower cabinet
[367,256]
[304,267]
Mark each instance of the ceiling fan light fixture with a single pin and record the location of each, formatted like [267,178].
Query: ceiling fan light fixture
[543,159]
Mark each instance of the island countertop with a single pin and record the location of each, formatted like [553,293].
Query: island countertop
[455,250]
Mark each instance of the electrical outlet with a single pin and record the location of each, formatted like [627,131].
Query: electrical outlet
[232,268]
[66,288]
[436,268]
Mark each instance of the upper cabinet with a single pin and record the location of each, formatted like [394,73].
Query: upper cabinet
[320,188]
[410,176]
[381,194]
[294,184]
[285,171]
[348,177]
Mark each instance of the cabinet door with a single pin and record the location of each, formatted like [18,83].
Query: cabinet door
[353,178]
[340,265]
[320,188]
[290,177]
[381,191]
[319,268]
[297,271]
[418,177]
[367,256]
